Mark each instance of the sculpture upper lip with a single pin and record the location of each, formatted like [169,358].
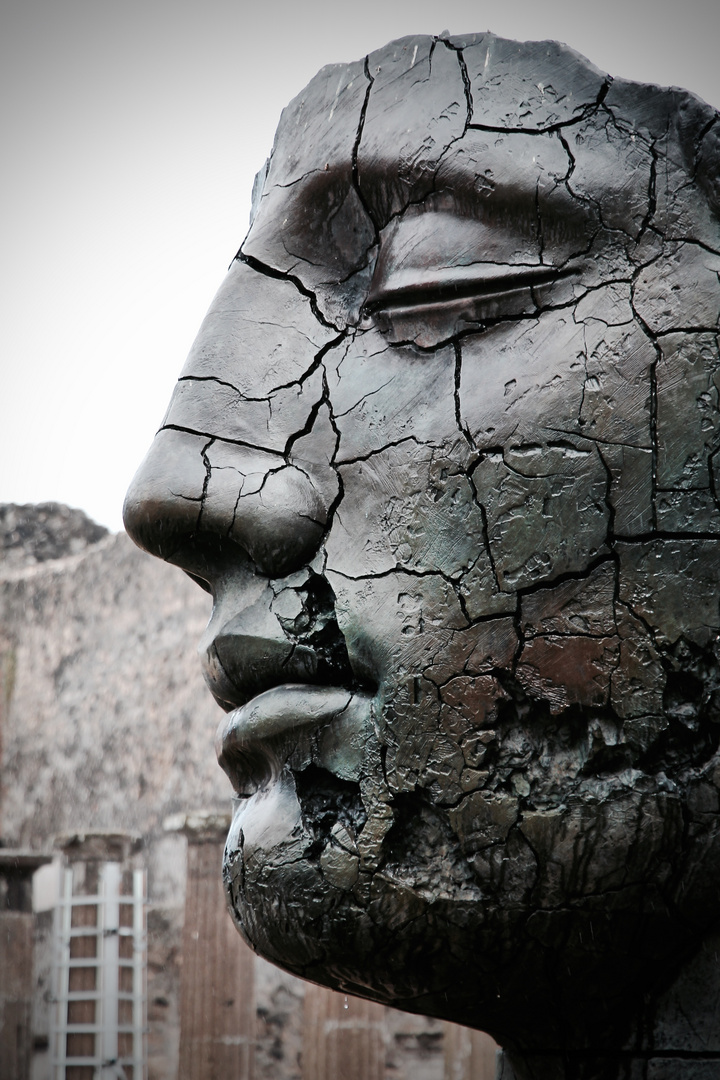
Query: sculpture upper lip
[249,651]
[239,667]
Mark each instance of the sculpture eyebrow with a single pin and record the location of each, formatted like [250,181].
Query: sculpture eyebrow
[457,181]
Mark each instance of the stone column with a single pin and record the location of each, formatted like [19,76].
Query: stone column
[217,997]
[343,1037]
[469,1055]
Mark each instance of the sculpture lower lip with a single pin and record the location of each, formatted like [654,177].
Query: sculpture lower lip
[281,709]
[245,735]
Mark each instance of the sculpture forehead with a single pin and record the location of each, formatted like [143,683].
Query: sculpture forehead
[426,91]
[481,79]
[483,121]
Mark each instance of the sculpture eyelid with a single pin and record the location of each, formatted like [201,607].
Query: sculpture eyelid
[408,289]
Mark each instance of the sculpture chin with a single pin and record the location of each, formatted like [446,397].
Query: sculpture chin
[303,901]
[544,936]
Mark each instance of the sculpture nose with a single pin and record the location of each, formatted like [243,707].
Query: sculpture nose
[243,459]
[192,497]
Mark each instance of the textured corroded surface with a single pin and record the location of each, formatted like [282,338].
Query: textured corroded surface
[444,451]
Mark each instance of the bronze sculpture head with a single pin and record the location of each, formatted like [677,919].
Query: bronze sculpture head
[444,452]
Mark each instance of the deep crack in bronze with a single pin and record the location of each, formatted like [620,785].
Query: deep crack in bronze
[444,451]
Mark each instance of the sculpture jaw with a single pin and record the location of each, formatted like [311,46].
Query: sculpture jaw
[550,938]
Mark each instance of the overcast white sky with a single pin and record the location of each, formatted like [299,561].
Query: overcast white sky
[131,131]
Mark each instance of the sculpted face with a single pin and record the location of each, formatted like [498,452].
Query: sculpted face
[444,452]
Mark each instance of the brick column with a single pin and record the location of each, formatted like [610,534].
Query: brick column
[342,1037]
[16,960]
[217,995]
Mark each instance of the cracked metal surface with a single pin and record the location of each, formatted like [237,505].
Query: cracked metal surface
[444,451]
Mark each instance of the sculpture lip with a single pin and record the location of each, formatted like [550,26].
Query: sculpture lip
[240,666]
[247,739]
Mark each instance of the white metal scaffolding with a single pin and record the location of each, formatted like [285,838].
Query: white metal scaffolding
[117,1033]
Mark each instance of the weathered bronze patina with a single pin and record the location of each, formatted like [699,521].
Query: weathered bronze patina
[444,452]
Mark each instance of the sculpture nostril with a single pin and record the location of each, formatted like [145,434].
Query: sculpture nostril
[187,510]
[282,525]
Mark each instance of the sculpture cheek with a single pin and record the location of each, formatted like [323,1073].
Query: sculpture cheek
[382,395]
[682,293]
[546,511]
[409,507]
